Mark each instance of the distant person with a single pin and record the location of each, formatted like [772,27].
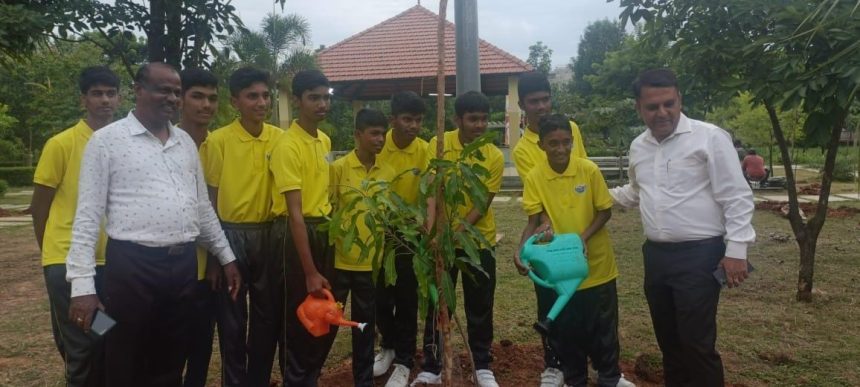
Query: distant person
[397,304]
[199,105]
[697,213]
[353,274]
[144,176]
[753,167]
[572,193]
[300,204]
[472,110]
[236,166]
[55,199]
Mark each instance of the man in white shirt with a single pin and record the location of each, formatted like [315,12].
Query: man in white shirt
[143,175]
[696,209]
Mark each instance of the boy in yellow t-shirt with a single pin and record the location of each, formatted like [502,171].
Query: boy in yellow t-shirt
[300,204]
[353,274]
[397,304]
[472,113]
[55,199]
[573,194]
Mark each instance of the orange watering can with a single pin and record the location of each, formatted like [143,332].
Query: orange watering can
[317,314]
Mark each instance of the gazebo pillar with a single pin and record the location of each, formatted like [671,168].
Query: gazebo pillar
[285,116]
[357,104]
[513,113]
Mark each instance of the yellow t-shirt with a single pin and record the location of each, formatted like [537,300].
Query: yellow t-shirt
[571,200]
[527,153]
[408,164]
[299,163]
[237,163]
[493,161]
[347,175]
[59,168]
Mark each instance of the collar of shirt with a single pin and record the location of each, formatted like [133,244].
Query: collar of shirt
[392,147]
[530,136]
[83,129]
[302,134]
[135,128]
[551,174]
[682,128]
[244,136]
[455,140]
[354,163]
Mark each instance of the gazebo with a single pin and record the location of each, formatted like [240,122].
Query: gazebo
[399,54]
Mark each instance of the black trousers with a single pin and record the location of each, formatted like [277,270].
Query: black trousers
[397,308]
[358,285]
[202,333]
[304,354]
[250,244]
[586,328]
[545,299]
[149,291]
[682,296]
[82,353]
[478,297]
[266,320]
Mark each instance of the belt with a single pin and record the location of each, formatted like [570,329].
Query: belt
[685,244]
[172,250]
[308,219]
[245,226]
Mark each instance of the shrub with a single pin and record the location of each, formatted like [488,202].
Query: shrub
[17,176]
[845,168]
[4,186]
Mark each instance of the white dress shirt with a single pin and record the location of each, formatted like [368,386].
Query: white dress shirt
[151,194]
[690,187]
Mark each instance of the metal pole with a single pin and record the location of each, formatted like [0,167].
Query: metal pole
[468,69]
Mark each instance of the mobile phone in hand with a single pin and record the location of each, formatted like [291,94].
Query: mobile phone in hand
[720,274]
[102,323]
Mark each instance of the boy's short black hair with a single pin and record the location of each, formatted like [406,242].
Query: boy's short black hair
[661,77]
[552,122]
[368,118]
[97,75]
[531,82]
[308,80]
[471,102]
[407,102]
[197,77]
[245,77]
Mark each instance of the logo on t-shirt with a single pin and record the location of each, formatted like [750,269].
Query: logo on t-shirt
[579,188]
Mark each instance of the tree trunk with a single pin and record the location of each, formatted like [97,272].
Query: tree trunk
[155,33]
[173,40]
[444,323]
[807,269]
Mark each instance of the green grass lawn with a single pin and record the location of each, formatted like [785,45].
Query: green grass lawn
[12,197]
[765,337]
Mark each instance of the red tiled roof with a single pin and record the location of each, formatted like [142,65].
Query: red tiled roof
[403,47]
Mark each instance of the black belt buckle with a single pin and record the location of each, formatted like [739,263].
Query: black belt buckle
[175,250]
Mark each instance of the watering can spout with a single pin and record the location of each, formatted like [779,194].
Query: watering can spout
[318,314]
[559,265]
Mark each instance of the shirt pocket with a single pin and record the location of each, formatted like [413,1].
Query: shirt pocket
[685,173]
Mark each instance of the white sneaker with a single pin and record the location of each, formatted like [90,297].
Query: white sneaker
[551,377]
[624,382]
[382,361]
[486,378]
[399,377]
[427,378]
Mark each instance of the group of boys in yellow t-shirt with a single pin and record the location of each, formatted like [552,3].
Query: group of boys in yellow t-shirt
[272,188]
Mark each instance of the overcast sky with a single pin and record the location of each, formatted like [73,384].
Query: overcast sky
[512,25]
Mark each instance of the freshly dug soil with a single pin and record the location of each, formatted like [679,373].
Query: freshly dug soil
[809,209]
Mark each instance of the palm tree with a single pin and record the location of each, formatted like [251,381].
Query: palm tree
[280,48]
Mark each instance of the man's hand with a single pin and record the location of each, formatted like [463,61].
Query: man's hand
[522,269]
[82,310]
[213,275]
[233,279]
[546,229]
[315,284]
[736,271]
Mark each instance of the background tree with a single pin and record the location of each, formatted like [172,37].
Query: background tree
[786,54]
[599,38]
[540,57]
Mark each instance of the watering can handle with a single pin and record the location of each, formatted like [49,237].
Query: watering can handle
[328,295]
[539,280]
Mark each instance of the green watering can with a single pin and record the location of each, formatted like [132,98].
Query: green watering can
[559,265]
